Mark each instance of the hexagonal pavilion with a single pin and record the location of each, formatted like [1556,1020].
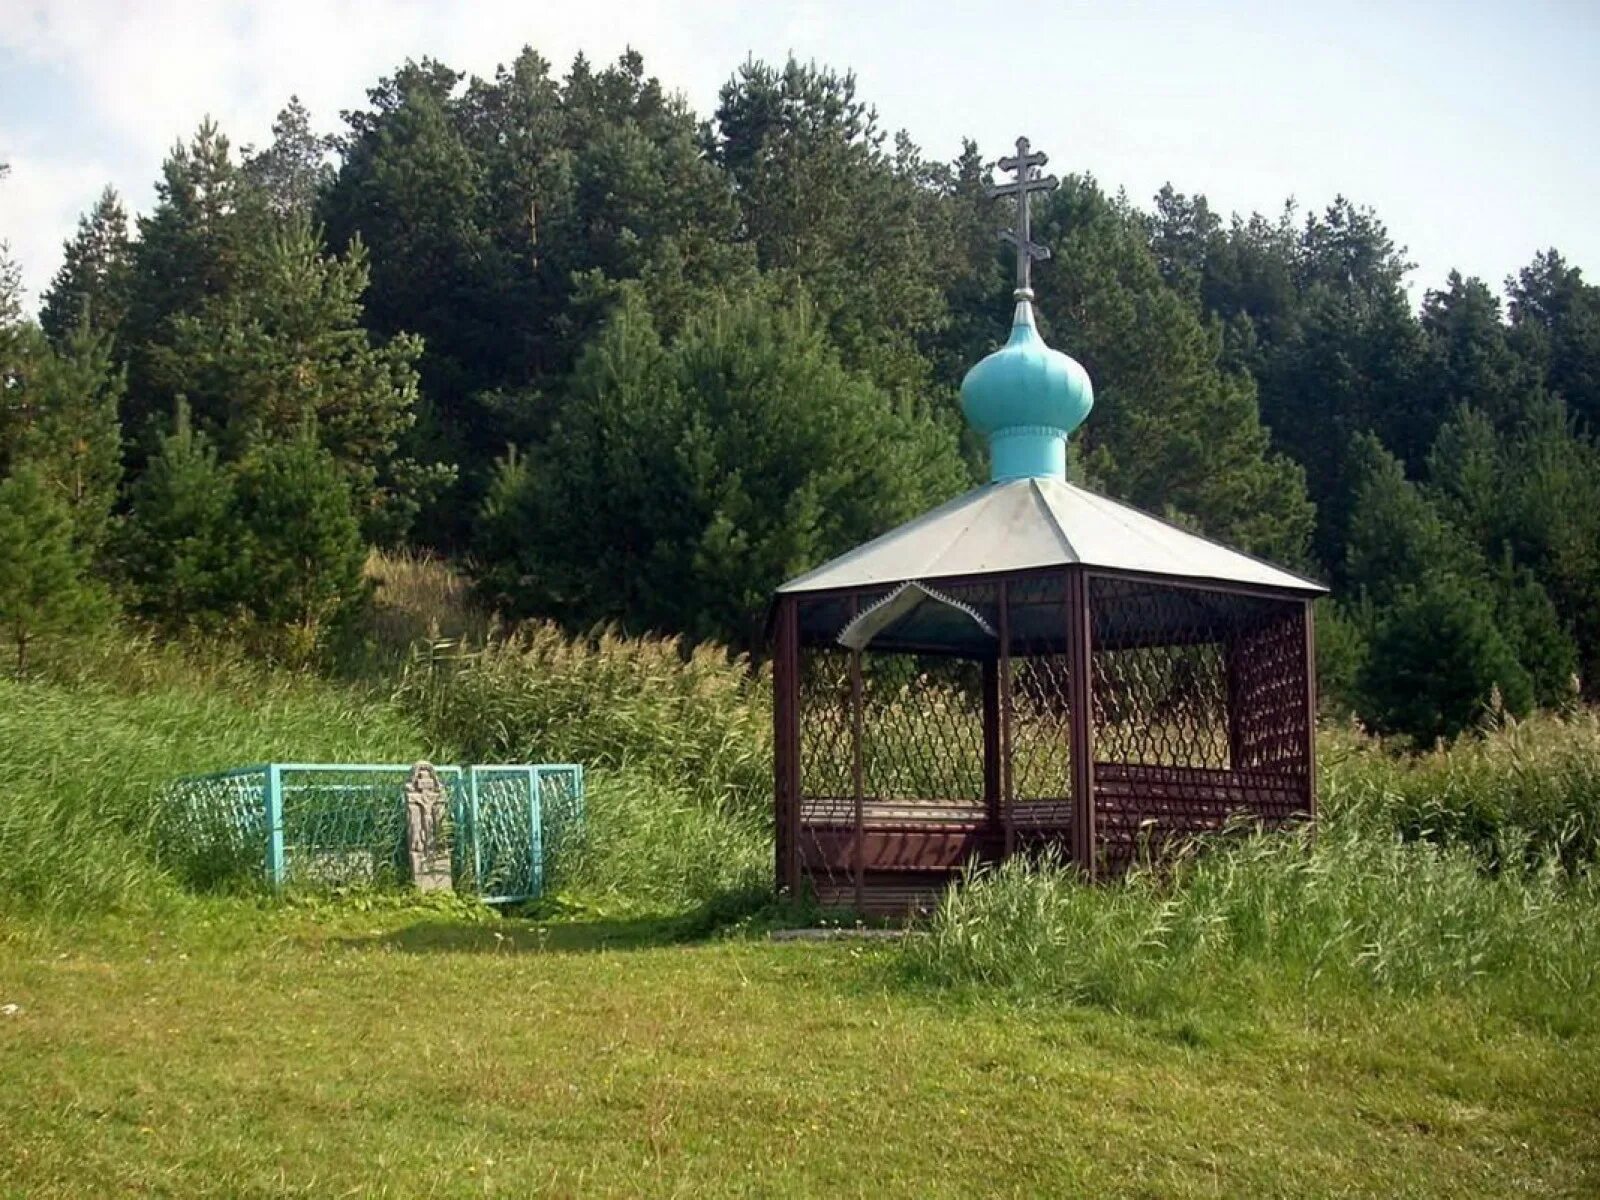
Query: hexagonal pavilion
[1031,665]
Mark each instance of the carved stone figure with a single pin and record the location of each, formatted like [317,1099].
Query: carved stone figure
[426,846]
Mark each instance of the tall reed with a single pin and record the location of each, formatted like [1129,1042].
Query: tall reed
[86,747]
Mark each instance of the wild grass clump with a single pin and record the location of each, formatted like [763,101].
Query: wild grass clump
[676,746]
[1517,791]
[1346,909]
[86,746]
[699,720]
[655,845]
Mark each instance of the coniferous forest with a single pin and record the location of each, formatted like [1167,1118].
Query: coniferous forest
[630,363]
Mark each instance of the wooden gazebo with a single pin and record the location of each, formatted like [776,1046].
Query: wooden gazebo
[1031,665]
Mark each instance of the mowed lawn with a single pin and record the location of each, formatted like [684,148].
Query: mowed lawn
[242,1052]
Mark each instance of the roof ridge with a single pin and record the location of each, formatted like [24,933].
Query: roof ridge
[1060,531]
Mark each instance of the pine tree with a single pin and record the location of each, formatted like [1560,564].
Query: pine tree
[683,482]
[1465,476]
[1555,323]
[73,435]
[1535,632]
[1549,501]
[285,346]
[302,541]
[91,290]
[1436,660]
[293,170]
[44,586]
[183,552]
[1398,538]
[1173,429]
[191,249]
[1469,358]
[824,197]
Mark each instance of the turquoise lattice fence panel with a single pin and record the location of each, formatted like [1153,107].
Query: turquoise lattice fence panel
[330,824]
[504,829]
[561,802]
[216,825]
[342,824]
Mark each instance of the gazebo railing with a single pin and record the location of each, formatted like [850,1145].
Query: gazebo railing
[1113,713]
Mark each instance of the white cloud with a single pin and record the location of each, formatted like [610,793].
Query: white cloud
[144,73]
[39,205]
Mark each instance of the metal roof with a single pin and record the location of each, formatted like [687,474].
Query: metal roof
[1017,524]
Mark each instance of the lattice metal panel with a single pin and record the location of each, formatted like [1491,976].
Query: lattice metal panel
[923,730]
[563,815]
[826,770]
[498,850]
[825,746]
[346,825]
[216,826]
[1040,711]
[1158,680]
[516,825]
[915,731]
[318,825]
[1268,669]
[1200,713]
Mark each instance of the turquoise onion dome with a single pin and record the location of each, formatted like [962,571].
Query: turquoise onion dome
[1026,398]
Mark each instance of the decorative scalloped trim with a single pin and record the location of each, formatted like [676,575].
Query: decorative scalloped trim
[849,638]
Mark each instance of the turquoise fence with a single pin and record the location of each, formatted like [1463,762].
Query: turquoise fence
[329,824]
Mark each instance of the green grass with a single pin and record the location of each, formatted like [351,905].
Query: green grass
[242,1051]
[1407,1004]
[86,746]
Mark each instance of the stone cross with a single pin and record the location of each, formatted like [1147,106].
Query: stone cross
[1028,181]
[426,847]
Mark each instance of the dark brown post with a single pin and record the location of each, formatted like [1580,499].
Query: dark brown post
[859,851]
[1233,653]
[786,743]
[1311,707]
[1004,690]
[991,742]
[1080,699]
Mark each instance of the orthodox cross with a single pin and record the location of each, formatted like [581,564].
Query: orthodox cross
[1027,182]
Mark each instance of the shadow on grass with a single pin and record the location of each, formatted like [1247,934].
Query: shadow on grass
[748,911]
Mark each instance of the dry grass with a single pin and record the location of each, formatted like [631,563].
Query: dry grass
[422,600]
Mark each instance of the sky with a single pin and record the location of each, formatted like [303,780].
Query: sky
[1470,128]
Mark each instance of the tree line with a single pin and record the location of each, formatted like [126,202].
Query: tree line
[631,363]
